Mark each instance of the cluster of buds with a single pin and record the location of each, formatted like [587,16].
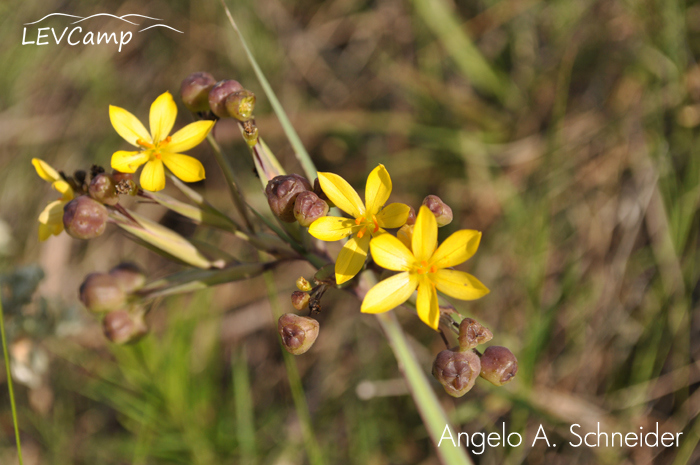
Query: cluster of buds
[442,212]
[86,215]
[291,198]
[457,369]
[203,95]
[110,295]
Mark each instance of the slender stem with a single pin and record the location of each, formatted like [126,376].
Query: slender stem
[226,167]
[310,443]
[9,383]
[299,149]
[434,417]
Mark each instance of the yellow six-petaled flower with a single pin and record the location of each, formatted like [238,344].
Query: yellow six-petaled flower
[51,219]
[157,147]
[368,220]
[425,268]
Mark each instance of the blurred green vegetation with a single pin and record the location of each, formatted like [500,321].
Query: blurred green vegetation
[566,131]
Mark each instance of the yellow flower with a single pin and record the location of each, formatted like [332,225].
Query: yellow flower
[157,147]
[367,223]
[51,219]
[425,268]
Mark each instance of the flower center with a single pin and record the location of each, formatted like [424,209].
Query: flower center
[425,268]
[373,225]
[158,145]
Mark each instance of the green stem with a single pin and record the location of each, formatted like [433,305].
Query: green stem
[299,149]
[310,443]
[434,417]
[226,167]
[9,383]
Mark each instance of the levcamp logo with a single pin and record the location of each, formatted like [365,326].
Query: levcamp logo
[75,35]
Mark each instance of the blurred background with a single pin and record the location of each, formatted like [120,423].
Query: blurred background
[564,130]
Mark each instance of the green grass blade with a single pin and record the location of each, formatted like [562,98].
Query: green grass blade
[299,149]
[9,383]
[245,416]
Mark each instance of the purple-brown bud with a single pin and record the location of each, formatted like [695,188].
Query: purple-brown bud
[218,95]
[498,365]
[124,183]
[101,292]
[194,91]
[308,208]
[282,192]
[128,276]
[122,326]
[240,105]
[298,333]
[84,218]
[300,300]
[411,216]
[103,189]
[456,371]
[471,334]
[442,212]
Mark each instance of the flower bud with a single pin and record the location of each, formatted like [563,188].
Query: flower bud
[240,105]
[84,218]
[471,334]
[128,276]
[411,216]
[300,300]
[442,212]
[405,235]
[124,183]
[218,95]
[122,326]
[282,191]
[101,293]
[498,365]
[308,208]
[194,91]
[298,333]
[303,284]
[103,189]
[456,371]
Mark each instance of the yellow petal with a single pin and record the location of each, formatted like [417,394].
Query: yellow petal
[46,230]
[405,235]
[128,126]
[390,253]
[377,190]
[427,303]
[458,248]
[331,228]
[45,171]
[190,136]
[341,194]
[128,162]
[393,215]
[459,284]
[351,258]
[162,116]
[424,235]
[53,213]
[153,176]
[64,188]
[187,168]
[390,293]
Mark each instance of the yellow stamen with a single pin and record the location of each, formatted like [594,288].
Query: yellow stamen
[376,224]
[359,220]
[361,233]
[165,141]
